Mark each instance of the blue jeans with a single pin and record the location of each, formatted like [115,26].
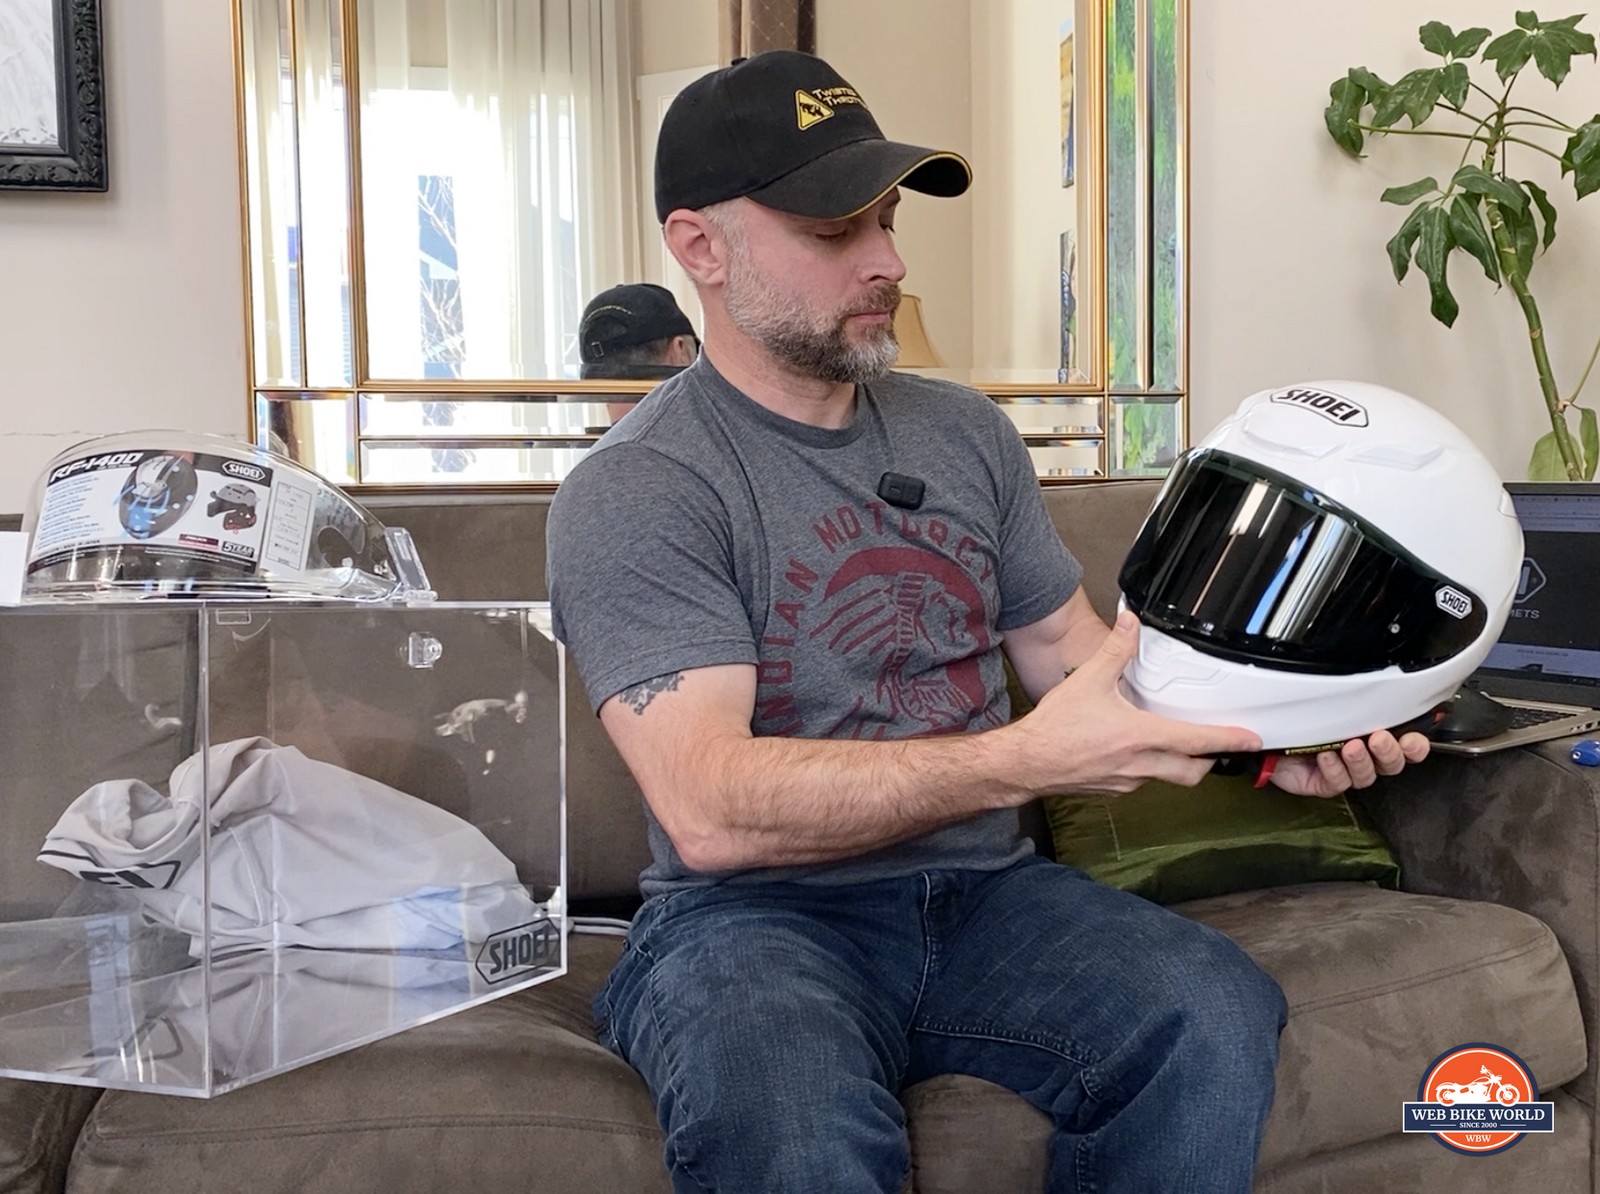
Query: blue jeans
[776,1025]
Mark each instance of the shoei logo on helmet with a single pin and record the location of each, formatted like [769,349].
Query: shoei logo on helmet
[1453,601]
[238,468]
[1329,406]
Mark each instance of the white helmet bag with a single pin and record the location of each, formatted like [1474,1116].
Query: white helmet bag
[1335,558]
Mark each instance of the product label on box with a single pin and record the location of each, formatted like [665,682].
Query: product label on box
[192,503]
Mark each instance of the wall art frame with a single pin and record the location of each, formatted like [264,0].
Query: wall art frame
[52,122]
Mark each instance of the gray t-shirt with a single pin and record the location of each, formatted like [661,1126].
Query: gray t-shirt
[705,529]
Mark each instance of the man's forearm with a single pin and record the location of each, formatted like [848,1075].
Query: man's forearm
[792,801]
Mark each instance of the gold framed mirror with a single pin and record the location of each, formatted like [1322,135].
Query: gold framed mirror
[433,190]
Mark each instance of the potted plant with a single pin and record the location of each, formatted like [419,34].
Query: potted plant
[1484,209]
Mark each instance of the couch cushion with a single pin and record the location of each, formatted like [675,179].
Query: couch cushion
[517,1093]
[1556,1162]
[1098,522]
[1379,983]
[38,1123]
[968,1135]
[513,1095]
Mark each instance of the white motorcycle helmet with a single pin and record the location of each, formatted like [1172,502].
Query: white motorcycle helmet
[1335,558]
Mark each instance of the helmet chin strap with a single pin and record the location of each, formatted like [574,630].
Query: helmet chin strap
[1263,763]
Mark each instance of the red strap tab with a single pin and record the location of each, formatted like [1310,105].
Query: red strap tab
[1269,764]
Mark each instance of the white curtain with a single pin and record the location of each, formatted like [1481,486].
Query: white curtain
[524,108]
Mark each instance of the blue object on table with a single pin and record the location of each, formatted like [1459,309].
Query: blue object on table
[1587,753]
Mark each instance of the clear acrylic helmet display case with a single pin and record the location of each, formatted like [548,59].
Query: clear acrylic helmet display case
[242,835]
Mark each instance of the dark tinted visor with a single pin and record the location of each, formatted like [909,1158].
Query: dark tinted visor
[1247,564]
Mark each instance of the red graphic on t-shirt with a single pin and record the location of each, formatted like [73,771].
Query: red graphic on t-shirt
[906,608]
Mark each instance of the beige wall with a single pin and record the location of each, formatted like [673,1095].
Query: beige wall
[913,66]
[1020,208]
[674,35]
[1290,277]
[124,310]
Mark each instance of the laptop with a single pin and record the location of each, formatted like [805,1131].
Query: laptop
[1546,664]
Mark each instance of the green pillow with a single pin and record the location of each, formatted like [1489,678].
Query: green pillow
[1169,843]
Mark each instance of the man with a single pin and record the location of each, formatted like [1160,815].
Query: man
[635,331]
[787,581]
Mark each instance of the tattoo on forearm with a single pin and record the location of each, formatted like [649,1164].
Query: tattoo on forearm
[640,695]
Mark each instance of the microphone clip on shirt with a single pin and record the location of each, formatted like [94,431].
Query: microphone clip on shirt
[901,490]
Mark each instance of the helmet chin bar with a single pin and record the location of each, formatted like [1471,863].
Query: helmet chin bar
[1293,712]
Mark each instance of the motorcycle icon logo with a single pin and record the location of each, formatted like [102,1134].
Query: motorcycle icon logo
[1490,1088]
[1478,1099]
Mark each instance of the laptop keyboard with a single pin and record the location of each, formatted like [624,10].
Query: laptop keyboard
[1523,717]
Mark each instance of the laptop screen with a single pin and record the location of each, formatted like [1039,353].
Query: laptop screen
[1550,648]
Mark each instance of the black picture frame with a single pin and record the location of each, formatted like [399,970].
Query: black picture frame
[78,161]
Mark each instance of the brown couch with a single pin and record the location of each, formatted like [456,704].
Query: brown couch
[1495,937]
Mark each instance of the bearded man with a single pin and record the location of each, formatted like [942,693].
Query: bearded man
[790,580]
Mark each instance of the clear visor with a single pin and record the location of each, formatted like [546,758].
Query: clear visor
[175,514]
[1247,564]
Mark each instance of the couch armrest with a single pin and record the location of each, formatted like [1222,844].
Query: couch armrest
[1519,828]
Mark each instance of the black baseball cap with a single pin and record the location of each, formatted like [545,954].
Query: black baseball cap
[785,130]
[626,317]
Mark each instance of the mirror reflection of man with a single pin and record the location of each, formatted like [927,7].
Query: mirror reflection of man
[634,332]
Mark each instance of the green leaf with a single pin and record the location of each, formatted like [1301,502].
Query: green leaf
[1509,52]
[1433,259]
[1589,432]
[1545,464]
[1367,81]
[1419,91]
[1411,192]
[1471,234]
[1454,83]
[1566,35]
[1342,114]
[1524,237]
[1400,244]
[1582,157]
[1438,38]
[1413,96]
[1555,44]
[1546,210]
[1468,41]
[1476,181]
[1528,20]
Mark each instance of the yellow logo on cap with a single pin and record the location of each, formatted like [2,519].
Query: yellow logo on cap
[809,110]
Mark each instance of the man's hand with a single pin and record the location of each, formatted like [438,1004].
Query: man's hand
[1085,736]
[1356,764]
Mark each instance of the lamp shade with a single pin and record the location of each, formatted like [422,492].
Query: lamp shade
[916,350]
